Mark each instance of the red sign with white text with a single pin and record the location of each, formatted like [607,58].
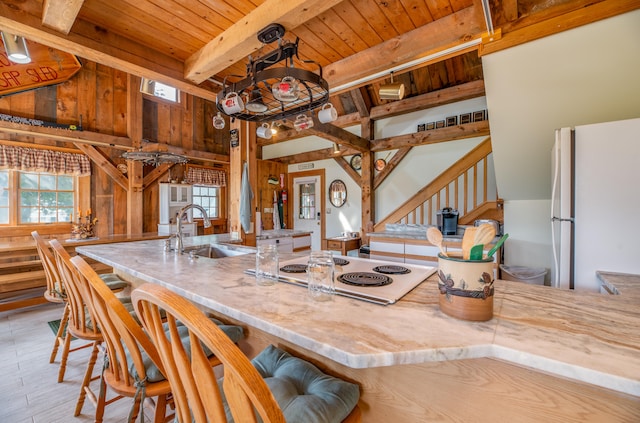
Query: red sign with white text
[48,66]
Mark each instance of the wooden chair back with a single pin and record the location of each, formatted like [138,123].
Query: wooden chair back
[83,322]
[55,291]
[193,382]
[124,338]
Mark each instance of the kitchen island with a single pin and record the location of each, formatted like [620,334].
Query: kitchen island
[547,355]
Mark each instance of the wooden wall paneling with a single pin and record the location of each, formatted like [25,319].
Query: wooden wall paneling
[67,101]
[187,130]
[23,105]
[150,201]
[149,119]
[120,200]
[119,103]
[163,122]
[104,99]
[45,103]
[87,96]
[264,190]
[199,123]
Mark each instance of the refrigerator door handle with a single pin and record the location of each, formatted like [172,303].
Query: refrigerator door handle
[561,219]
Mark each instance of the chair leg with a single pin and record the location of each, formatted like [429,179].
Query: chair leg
[160,409]
[63,358]
[102,399]
[63,324]
[88,377]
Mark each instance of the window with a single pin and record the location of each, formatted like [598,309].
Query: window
[158,89]
[4,197]
[208,198]
[40,197]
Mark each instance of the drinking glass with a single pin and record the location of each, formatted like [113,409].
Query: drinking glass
[267,265]
[320,273]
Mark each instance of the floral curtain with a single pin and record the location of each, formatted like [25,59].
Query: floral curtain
[205,176]
[37,160]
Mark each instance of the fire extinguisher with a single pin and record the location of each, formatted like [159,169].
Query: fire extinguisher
[284,196]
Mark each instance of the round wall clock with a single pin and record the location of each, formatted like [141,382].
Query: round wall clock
[356,162]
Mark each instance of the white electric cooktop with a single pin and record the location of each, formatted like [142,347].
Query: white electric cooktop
[376,281]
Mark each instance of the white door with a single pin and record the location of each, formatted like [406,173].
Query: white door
[307,208]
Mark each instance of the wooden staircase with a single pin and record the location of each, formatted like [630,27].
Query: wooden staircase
[465,186]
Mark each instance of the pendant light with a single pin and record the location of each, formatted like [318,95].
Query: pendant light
[391,91]
[16,48]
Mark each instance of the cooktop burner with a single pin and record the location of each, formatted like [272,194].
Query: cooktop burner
[294,268]
[340,261]
[391,270]
[365,279]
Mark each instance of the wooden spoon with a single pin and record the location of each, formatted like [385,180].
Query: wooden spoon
[435,237]
[468,241]
[484,234]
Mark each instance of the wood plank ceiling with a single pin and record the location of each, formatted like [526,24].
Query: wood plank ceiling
[431,44]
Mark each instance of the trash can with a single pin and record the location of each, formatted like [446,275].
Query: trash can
[532,275]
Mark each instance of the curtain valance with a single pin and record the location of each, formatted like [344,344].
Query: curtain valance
[205,176]
[37,160]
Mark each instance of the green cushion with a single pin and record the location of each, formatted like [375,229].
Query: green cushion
[235,333]
[113,281]
[304,393]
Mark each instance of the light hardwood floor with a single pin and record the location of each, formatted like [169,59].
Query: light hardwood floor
[29,392]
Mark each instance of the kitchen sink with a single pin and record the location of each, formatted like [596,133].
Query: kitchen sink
[216,251]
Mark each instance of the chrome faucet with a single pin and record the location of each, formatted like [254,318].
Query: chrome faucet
[207,223]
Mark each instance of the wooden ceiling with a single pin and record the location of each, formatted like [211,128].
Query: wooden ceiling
[193,44]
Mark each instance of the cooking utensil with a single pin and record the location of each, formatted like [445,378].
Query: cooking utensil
[435,237]
[476,252]
[468,239]
[498,245]
[484,234]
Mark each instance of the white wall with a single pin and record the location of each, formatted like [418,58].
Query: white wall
[585,75]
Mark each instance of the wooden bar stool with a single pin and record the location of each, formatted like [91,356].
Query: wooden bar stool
[134,367]
[54,293]
[275,385]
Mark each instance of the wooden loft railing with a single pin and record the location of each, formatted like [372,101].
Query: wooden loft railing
[465,186]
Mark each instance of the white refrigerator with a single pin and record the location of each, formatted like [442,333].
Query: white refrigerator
[595,203]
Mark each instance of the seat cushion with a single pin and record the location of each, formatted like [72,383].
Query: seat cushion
[304,393]
[113,281]
[235,333]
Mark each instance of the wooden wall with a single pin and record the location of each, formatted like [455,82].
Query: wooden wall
[264,192]
[98,96]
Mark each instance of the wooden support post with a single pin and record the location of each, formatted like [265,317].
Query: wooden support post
[134,130]
[366,183]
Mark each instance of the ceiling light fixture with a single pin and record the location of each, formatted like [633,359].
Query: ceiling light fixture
[274,93]
[16,48]
[336,148]
[391,91]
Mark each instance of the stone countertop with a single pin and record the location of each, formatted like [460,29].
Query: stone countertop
[626,285]
[280,233]
[584,336]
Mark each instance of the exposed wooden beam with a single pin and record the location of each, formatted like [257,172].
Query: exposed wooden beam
[240,39]
[190,154]
[60,14]
[361,105]
[450,133]
[337,135]
[156,173]
[95,44]
[354,175]
[424,41]
[524,31]
[429,100]
[310,156]
[392,164]
[104,164]
[45,133]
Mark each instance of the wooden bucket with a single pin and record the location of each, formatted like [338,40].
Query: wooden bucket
[466,287]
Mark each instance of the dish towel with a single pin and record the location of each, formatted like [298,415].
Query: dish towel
[246,195]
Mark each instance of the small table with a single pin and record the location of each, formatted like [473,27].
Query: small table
[343,243]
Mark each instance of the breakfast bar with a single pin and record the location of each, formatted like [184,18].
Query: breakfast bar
[547,355]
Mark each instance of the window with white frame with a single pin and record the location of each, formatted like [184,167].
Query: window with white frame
[40,197]
[209,198]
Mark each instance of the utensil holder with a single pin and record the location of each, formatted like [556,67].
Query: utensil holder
[466,287]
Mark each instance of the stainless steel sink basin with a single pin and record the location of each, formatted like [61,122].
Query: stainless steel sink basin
[219,251]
